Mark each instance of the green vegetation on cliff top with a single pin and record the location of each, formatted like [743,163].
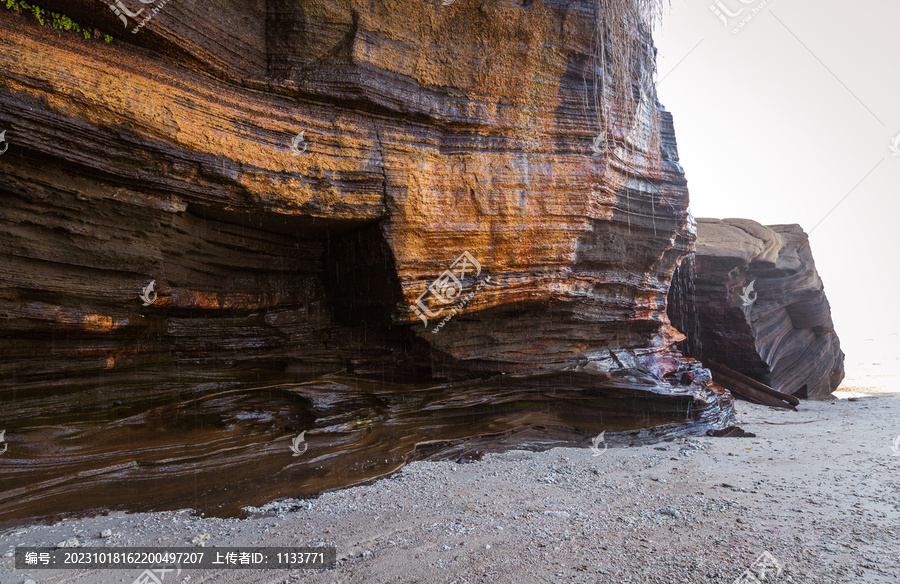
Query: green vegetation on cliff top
[57,21]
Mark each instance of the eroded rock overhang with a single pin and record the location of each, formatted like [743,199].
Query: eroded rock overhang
[295,180]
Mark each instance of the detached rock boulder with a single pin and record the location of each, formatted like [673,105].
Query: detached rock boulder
[752,300]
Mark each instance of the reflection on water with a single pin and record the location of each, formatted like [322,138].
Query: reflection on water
[216,446]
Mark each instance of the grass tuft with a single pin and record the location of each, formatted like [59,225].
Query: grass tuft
[57,21]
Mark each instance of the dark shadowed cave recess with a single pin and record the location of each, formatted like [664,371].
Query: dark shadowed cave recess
[275,344]
[267,342]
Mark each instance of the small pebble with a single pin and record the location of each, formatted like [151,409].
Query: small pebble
[670,512]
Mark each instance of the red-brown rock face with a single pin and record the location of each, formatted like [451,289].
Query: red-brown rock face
[304,182]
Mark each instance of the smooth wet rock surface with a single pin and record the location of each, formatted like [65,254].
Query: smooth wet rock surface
[823,506]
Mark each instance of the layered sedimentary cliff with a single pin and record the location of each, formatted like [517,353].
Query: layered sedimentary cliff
[756,304]
[396,191]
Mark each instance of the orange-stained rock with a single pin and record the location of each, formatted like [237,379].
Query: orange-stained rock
[446,129]
[303,183]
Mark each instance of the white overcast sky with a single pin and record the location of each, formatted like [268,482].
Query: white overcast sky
[782,121]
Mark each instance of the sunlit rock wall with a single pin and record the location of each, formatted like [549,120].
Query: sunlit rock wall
[317,186]
[402,228]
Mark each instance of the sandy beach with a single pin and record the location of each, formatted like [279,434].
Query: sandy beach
[816,489]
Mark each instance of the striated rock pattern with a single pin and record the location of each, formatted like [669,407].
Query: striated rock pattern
[403,192]
[756,304]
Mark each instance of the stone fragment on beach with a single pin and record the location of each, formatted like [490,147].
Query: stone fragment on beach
[730,432]
[670,512]
[69,543]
